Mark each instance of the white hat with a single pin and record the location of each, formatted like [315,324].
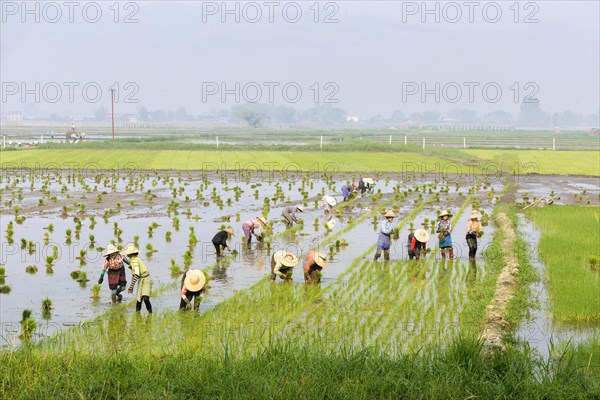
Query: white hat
[320,259]
[110,249]
[389,214]
[422,235]
[299,208]
[370,181]
[288,260]
[330,200]
[331,224]
[194,280]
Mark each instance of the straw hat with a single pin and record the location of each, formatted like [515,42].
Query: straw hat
[130,249]
[331,224]
[389,214]
[370,181]
[422,235]
[111,249]
[330,200]
[445,212]
[261,219]
[475,215]
[194,280]
[288,260]
[300,208]
[320,259]
[229,231]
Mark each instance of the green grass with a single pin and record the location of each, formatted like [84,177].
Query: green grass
[293,162]
[543,161]
[182,156]
[570,235]
[287,371]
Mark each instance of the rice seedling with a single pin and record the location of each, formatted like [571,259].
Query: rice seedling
[566,266]
[46,304]
[4,289]
[96,292]
[31,269]
[28,325]
[594,262]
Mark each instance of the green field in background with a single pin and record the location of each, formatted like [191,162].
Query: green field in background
[476,161]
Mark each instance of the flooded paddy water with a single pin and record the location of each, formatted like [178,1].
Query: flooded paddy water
[164,209]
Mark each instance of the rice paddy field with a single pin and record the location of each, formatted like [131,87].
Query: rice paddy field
[428,328]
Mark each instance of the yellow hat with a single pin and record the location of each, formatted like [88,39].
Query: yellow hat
[130,249]
[194,280]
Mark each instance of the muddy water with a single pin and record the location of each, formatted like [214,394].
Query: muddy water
[72,301]
[565,189]
[538,329]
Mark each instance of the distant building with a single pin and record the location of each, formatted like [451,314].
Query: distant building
[132,119]
[352,119]
[14,116]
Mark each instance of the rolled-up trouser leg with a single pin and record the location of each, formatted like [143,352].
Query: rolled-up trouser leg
[377,254]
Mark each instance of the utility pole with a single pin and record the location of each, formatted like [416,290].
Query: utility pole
[112,101]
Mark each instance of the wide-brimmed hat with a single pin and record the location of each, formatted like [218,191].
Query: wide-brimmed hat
[370,181]
[445,212]
[422,235]
[331,224]
[389,214]
[110,249]
[194,280]
[288,260]
[320,259]
[300,208]
[261,219]
[475,215]
[130,249]
[330,200]
[229,231]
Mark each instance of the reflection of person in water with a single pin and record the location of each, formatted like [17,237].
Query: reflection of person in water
[220,270]
[471,278]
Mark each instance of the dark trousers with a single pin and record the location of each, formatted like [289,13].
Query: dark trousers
[217,248]
[191,295]
[472,243]
[146,300]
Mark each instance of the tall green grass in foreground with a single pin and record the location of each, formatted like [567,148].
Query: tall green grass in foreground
[570,235]
[286,370]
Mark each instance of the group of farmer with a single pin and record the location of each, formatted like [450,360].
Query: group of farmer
[362,186]
[193,282]
[417,238]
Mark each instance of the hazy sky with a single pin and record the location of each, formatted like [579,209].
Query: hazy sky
[370,57]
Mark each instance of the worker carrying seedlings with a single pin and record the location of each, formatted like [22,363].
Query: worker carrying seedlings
[141,276]
[193,287]
[114,266]
[417,243]
[473,231]
[282,265]
[444,228]
[220,241]
[348,190]
[315,262]
[254,227]
[386,229]
[328,203]
[289,213]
